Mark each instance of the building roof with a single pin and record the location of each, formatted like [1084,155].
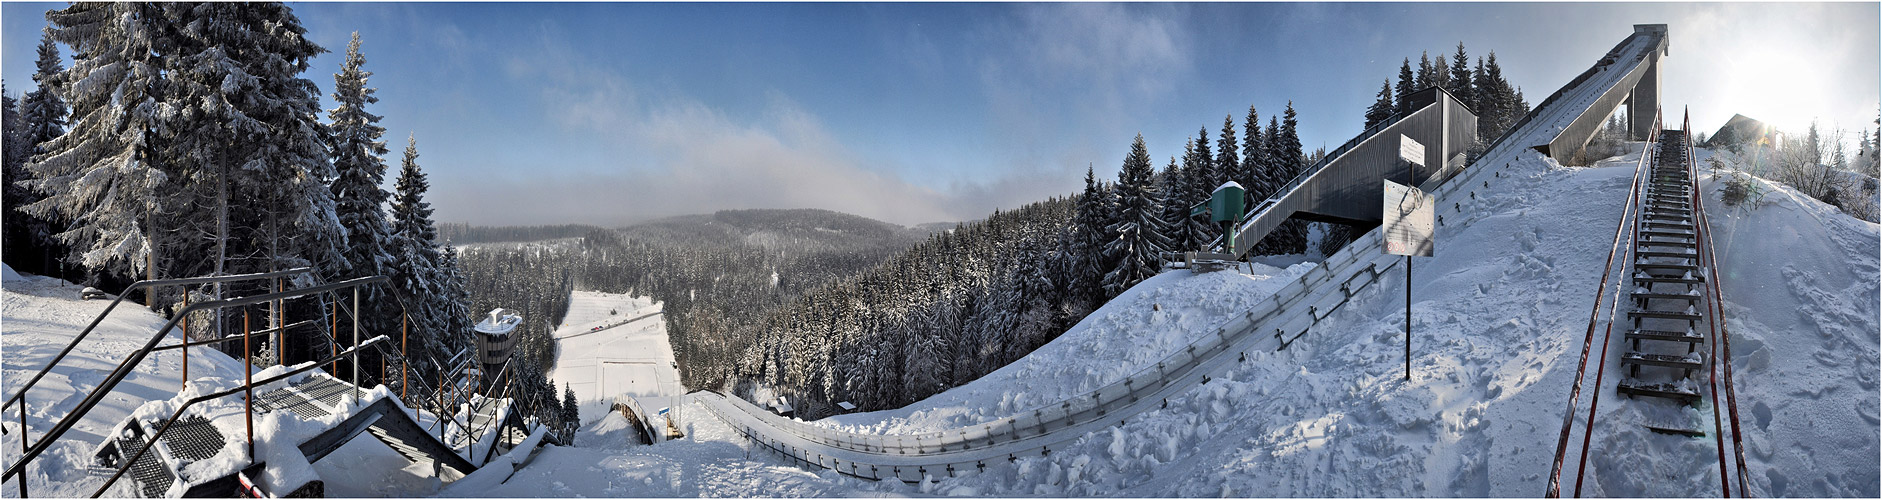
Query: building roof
[500,321]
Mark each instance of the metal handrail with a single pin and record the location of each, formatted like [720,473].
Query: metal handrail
[152,440]
[17,396]
[117,376]
[264,331]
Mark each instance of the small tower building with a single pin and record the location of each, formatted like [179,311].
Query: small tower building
[496,341]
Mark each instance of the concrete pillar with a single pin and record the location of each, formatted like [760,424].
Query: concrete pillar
[1645,99]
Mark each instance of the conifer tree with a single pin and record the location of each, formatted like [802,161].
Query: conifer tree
[41,118]
[43,110]
[358,157]
[415,272]
[1292,165]
[1381,109]
[101,179]
[1460,81]
[1226,159]
[1424,79]
[1140,237]
[1089,241]
[1254,160]
[1175,211]
[1198,161]
[1406,85]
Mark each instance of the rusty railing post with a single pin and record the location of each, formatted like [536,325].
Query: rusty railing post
[355,360]
[186,338]
[406,357]
[248,387]
[280,336]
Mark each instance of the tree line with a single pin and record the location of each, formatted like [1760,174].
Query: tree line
[1482,88]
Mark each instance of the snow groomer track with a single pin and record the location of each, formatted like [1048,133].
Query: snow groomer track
[1272,325]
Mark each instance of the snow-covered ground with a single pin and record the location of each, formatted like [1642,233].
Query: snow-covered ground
[613,345]
[1498,318]
[1139,327]
[40,316]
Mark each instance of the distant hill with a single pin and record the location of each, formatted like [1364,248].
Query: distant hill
[460,233]
[797,230]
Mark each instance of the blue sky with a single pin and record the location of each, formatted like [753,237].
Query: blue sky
[605,113]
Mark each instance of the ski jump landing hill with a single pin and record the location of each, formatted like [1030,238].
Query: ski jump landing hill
[1561,127]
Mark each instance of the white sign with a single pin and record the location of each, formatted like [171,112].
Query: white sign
[1411,150]
[1409,220]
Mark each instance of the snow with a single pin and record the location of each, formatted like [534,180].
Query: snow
[628,356]
[41,316]
[1138,328]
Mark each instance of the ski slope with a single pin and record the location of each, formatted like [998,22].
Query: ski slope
[612,345]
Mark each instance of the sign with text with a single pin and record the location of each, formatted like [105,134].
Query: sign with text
[1409,220]
[1411,150]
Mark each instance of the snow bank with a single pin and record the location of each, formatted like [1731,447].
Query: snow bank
[1141,326]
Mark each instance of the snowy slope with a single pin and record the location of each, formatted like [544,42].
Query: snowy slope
[1499,315]
[1140,327]
[1801,282]
[612,345]
[38,317]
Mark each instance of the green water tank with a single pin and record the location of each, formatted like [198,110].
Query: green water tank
[1228,204]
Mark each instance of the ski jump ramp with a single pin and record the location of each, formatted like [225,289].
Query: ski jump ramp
[1559,127]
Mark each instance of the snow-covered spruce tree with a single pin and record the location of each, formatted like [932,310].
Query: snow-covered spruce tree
[13,139]
[1140,237]
[1460,83]
[415,269]
[1381,109]
[1406,85]
[1202,182]
[1227,163]
[42,112]
[358,160]
[571,407]
[1175,186]
[1290,164]
[1088,242]
[359,165]
[101,178]
[1254,161]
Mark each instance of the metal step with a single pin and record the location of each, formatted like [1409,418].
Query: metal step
[1651,280]
[1668,225]
[1668,254]
[1667,234]
[1668,391]
[1678,315]
[1656,243]
[1669,361]
[1641,296]
[1687,337]
[1674,267]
